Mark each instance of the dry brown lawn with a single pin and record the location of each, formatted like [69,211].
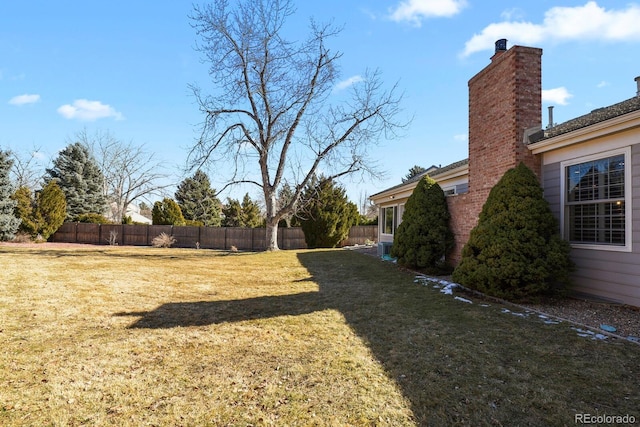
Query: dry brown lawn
[144,336]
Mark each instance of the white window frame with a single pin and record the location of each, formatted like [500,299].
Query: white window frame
[384,220]
[627,247]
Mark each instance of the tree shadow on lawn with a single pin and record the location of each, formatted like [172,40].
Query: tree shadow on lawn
[456,363]
[203,313]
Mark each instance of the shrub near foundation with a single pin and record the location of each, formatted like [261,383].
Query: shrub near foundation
[515,252]
[423,237]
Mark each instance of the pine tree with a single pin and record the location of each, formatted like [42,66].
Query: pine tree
[198,200]
[81,180]
[50,210]
[9,223]
[515,252]
[414,171]
[245,214]
[328,214]
[232,213]
[251,217]
[424,238]
[167,212]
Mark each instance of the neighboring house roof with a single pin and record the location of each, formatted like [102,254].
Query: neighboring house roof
[595,116]
[433,172]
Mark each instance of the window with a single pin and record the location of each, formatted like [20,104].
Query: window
[456,189]
[596,201]
[388,219]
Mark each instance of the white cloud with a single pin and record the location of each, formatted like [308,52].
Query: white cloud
[559,95]
[560,24]
[511,14]
[348,82]
[83,109]
[414,11]
[603,84]
[460,137]
[24,99]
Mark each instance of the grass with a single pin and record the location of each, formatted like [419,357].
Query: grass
[144,336]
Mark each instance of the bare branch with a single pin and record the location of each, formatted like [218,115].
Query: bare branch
[131,173]
[272,105]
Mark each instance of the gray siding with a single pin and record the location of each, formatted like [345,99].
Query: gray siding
[607,274]
[551,184]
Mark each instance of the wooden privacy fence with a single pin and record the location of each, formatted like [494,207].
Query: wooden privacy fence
[253,239]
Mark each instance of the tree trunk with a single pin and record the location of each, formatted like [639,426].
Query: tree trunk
[272,235]
[272,222]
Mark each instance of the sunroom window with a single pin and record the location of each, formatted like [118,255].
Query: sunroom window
[596,208]
[389,219]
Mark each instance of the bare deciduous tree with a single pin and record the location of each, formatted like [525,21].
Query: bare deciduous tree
[27,171]
[274,105]
[130,172]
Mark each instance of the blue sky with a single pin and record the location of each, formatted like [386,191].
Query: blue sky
[125,66]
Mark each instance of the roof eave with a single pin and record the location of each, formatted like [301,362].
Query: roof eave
[587,133]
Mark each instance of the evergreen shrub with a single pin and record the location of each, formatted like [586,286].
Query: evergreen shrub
[50,211]
[515,251]
[328,215]
[93,218]
[424,238]
[167,212]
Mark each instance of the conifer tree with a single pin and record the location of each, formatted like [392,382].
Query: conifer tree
[50,210]
[245,214]
[9,223]
[414,171]
[328,214]
[515,251]
[25,210]
[232,213]
[424,238]
[81,180]
[198,200]
[251,217]
[167,212]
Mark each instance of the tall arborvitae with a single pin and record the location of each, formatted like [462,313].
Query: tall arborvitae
[25,211]
[81,180]
[9,223]
[515,252]
[424,238]
[50,210]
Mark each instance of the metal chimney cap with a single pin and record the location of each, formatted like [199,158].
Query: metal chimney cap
[501,45]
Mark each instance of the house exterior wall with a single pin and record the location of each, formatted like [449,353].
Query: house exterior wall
[505,99]
[611,275]
[460,210]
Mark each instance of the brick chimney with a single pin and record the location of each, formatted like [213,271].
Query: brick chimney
[505,98]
